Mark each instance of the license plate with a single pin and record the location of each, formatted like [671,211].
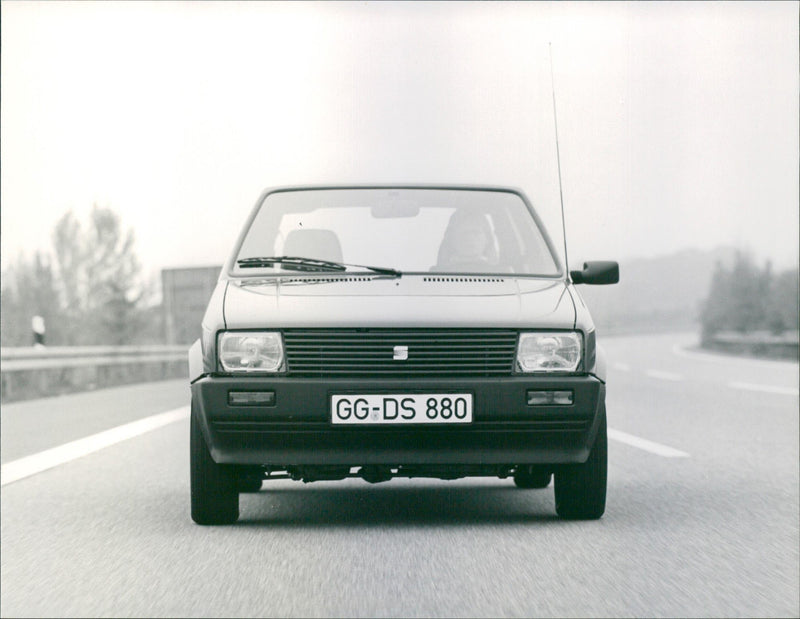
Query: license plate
[401,408]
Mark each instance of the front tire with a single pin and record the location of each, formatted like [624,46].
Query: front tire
[580,489]
[215,497]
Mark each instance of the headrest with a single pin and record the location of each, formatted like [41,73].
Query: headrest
[458,220]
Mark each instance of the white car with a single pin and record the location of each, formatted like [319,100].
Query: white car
[397,331]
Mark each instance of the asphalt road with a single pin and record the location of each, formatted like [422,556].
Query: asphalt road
[702,516]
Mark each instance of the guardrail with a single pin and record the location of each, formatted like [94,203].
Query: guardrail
[54,370]
[756,343]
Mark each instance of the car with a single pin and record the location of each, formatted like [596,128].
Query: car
[390,331]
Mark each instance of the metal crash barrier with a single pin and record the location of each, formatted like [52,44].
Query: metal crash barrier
[36,372]
[756,344]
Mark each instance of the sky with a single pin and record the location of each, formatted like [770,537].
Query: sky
[677,122]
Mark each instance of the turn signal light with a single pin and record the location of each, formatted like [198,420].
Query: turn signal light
[251,398]
[550,398]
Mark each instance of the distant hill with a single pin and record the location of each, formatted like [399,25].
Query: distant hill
[655,294]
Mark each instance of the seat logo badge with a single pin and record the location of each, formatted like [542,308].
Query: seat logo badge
[400,353]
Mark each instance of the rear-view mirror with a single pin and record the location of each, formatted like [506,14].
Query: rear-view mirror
[395,209]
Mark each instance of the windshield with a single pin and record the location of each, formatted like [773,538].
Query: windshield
[408,230]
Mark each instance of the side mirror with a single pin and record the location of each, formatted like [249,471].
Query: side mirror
[597,272]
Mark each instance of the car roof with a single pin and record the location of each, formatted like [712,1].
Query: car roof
[445,186]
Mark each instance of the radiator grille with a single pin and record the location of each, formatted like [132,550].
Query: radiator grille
[373,352]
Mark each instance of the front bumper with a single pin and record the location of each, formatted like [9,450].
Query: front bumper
[296,429]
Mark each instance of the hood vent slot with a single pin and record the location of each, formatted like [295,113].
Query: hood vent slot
[324,280]
[464,279]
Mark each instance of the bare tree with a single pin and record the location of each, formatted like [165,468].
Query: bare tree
[98,275]
[745,298]
[29,289]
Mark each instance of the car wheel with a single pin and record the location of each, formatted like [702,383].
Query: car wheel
[532,477]
[580,489]
[215,498]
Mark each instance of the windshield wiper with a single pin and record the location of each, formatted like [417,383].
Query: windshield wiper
[379,270]
[297,263]
[291,263]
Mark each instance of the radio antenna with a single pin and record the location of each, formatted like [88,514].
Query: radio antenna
[558,161]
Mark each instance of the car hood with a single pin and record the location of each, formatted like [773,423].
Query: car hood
[409,301]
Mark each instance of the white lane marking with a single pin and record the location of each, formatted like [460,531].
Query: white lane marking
[664,375]
[765,388]
[622,367]
[36,463]
[644,444]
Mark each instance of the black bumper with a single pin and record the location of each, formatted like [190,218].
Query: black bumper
[296,429]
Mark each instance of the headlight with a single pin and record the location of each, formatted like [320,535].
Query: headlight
[251,351]
[549,352]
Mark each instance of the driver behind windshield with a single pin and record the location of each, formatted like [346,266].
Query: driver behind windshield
[468,244]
